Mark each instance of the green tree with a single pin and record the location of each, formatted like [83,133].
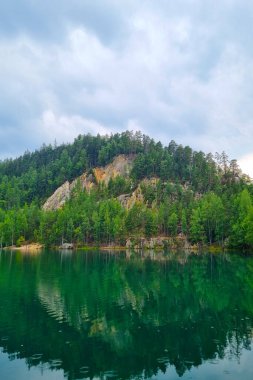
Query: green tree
[197,234]
[150,220]
[241,228]
[173,224]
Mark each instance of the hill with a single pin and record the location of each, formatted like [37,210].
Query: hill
[124,188]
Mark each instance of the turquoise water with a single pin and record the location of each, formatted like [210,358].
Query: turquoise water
[98,315]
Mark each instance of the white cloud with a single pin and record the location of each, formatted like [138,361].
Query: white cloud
[66,128]
[175,74]
[246,164]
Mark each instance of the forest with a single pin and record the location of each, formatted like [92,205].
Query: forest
[202,197]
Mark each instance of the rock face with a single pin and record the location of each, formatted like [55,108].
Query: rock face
[57,200]
[128,200]
[121,166]
[66,246]
[158,243]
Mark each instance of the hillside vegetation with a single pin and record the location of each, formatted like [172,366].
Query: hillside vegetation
[168,191]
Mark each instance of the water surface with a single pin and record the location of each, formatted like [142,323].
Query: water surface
[99,315]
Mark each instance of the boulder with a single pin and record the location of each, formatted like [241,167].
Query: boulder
[66,246]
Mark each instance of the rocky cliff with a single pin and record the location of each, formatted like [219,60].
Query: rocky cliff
[121,166]
[128,200]
[57,200]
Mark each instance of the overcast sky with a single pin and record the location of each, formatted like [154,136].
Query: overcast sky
[179,70]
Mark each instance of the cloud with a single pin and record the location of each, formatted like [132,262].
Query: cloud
[176,70]
[67,127]
[246,164]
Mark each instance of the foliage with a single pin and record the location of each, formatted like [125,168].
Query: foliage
[205,198]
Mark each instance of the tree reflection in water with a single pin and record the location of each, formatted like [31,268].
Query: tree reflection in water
[124,315]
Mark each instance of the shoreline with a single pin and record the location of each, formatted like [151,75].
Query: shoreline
[25,248]
[36,247]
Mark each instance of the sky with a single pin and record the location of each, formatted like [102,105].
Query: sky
[180,70]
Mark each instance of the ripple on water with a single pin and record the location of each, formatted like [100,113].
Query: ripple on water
[111,374]
[55,363]
[213,361]
[84,370]
[163,360]
[36,356]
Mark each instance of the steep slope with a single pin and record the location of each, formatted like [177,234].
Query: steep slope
[121,166]
[59,197]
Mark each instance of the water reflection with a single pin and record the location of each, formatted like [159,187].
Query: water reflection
[125,316]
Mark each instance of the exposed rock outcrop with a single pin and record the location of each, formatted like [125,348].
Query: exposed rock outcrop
[159,243]
[121,166]
[57,200]
[66,246]
[128,200]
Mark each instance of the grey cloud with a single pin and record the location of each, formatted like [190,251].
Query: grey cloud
[176,70]
[48,20]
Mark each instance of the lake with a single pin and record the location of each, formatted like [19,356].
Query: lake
[101,315]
